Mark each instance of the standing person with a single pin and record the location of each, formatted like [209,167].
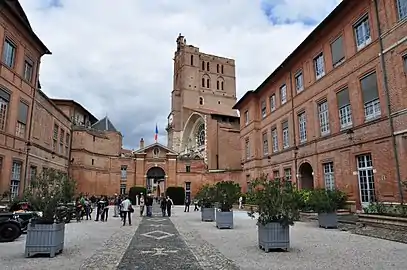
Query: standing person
[149,204]
[141,201]
[88,209]
[196,202]
[169,205]
[126,209]
[187,203]
[163,205]
[78,209]
[98,209]
[116,203]
[240,202]
[105,209]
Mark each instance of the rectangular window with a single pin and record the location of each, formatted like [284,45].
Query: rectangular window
[33,173]
[276,175]
[61,141]
[22,119]
[329,177]
[246,117]
[274,138]
[265,144]
[188,186]
[247,148]
[345,111]
[323,118]
[286,140]
[405,62]
[28,70]
[4,104]
[55,138]
[302,124]
[402,9]
[263,109]
[338,55]
[67,142]
[123,188]
[299,82]
[123,171]
[287,174]
[370,96]
[319,66]
[272,102]
[283,94]
[188,168]
[362,33]
[9,53]
[15,178]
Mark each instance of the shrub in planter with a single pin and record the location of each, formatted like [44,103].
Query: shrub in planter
[326,203]
[226,194]
[136,191]
[46,231]
[278,206]
[177,195]
[206,197]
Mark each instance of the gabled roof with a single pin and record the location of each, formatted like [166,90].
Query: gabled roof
[104,125]
[143,150]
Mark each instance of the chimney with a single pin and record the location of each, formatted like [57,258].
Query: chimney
[141,143]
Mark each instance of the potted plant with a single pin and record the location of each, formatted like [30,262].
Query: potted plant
[206,197]
[326,203]
[278,206]
[226,194]
[46,230]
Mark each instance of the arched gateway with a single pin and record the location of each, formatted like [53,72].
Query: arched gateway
[155,181]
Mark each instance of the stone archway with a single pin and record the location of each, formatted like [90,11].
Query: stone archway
[194,136]
[306,176]
[155,181]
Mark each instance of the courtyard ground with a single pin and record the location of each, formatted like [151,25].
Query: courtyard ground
[183,242]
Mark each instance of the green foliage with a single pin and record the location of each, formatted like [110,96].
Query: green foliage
[46,191]
[226,194]
[379,208]
[305,195]
[206,196]
[177,195]
[277,201]
[327,201]
[134,191]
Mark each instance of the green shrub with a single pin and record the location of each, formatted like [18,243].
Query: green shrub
[327,201]
[134,191]
[305,194]
[226,194]
[177,195]
[206,196]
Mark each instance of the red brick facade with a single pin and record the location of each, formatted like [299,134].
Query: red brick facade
[332,138]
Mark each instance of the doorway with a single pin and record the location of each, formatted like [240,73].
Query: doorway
[155,182]
[306,176]
[366,180]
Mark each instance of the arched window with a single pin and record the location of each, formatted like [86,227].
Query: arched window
[207,66]
[203,65]
[221,85]
[222,69]
[200,135]
[208,83]
[192,60]
[217,85]
[203,82]
[201,101]
[217,68]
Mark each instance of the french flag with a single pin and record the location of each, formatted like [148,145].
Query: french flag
[156,133]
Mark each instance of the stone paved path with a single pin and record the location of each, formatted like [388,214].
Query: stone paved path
[158,245]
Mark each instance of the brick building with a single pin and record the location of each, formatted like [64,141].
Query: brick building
[331,114]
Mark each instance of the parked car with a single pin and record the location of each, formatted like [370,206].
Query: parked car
[10,226]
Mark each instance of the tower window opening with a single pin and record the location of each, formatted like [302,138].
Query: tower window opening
[201,101]
[192,60]
[221,85]
[217,68]
[222,69]
[203,82]
[208,85]
[217,85]
[203,65]
[207,66]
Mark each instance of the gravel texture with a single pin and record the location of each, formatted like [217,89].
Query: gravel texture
[85,242]
[311,247]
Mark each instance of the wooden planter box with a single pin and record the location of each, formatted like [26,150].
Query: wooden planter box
[208,214]
[328,220]
[44,239]
[273,236]
[224,220]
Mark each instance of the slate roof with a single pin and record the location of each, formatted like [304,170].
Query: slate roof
[104,125]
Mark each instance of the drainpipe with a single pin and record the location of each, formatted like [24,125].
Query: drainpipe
[386,90]
[70,145]
[294,133]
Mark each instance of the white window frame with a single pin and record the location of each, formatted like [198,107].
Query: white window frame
[246,117]
[345,116]
[329,175]
[286,138]
[123,172]
[265,144]
[288,175]
[402,9]
[16,170]
[299,82]
[302,127]
[263,109]
[274,137]
[9,53]
[367,190]
[319,66]
[273,102]
[363,35]
[283,94]
[372,109]
[323,114]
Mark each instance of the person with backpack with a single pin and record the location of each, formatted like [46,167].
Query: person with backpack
[169,205]
[163,205]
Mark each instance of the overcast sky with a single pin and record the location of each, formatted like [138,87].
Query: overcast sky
[115,57]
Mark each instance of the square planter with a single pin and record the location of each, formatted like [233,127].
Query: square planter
[44,239]
[207,214]
[224,220]
[273,236]
[328,220]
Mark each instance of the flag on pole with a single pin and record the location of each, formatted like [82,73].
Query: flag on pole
[156,133]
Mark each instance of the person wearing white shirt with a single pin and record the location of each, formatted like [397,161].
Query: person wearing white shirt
[127,210]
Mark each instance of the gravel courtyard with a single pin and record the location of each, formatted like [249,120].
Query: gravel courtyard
[311,247]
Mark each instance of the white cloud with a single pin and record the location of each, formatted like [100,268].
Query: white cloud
[117,58]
